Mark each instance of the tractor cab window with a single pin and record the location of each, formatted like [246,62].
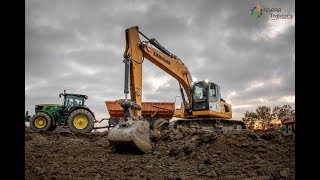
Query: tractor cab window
[69,101]
[78,101]
[74,101]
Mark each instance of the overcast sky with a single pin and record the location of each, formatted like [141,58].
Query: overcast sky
[78,46]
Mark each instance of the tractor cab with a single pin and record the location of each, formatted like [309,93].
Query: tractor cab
[72,100]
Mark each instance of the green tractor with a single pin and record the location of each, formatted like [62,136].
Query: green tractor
[72,114]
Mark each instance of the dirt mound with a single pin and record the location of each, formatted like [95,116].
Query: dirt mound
[276,136]
[177,154]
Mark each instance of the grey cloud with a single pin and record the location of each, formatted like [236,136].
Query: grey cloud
[218,40]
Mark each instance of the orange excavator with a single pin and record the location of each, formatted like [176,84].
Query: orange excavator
[202,106]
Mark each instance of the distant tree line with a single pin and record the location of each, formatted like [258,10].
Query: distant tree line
[265,115]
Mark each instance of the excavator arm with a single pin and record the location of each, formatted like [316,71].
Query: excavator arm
[135,52]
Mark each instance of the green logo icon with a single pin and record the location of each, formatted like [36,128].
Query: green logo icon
[256,11]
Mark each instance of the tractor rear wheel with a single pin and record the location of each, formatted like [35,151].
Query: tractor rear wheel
[80,121]
[40,122]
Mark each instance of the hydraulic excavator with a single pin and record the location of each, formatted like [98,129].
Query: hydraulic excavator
[202,105]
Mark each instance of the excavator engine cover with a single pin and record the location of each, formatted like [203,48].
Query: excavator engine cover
[132,137]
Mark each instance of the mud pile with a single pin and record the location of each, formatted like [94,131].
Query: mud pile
[178,154]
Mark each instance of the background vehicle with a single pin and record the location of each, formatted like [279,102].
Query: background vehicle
[288,124]
[203,106]
[73,113]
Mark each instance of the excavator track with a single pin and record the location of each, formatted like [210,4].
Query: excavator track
[209,124]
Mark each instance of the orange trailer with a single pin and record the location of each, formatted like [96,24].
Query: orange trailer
[150,111]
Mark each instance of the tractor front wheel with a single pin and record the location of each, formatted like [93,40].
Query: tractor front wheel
[40,122]
[80,121]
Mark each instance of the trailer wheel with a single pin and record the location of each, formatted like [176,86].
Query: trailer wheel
[80,121]
[40,122]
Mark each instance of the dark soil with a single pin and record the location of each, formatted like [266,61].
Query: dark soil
[177,154]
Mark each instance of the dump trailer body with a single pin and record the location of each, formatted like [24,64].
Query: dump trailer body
[150,110]
[288,120]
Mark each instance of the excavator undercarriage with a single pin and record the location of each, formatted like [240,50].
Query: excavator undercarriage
[209,124]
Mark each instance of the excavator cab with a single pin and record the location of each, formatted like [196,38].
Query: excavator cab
[205,96]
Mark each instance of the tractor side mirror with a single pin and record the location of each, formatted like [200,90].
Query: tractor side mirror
[27,113]
[60,95]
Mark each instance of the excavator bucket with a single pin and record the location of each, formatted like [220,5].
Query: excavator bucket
[133,138]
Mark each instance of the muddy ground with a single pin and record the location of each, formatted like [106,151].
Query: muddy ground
[178,154]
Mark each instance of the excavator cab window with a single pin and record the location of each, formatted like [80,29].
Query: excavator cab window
[199,96]
[198,93]
[213,95]
[212,90]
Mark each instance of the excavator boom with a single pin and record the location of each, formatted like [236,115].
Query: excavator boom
[136,51]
